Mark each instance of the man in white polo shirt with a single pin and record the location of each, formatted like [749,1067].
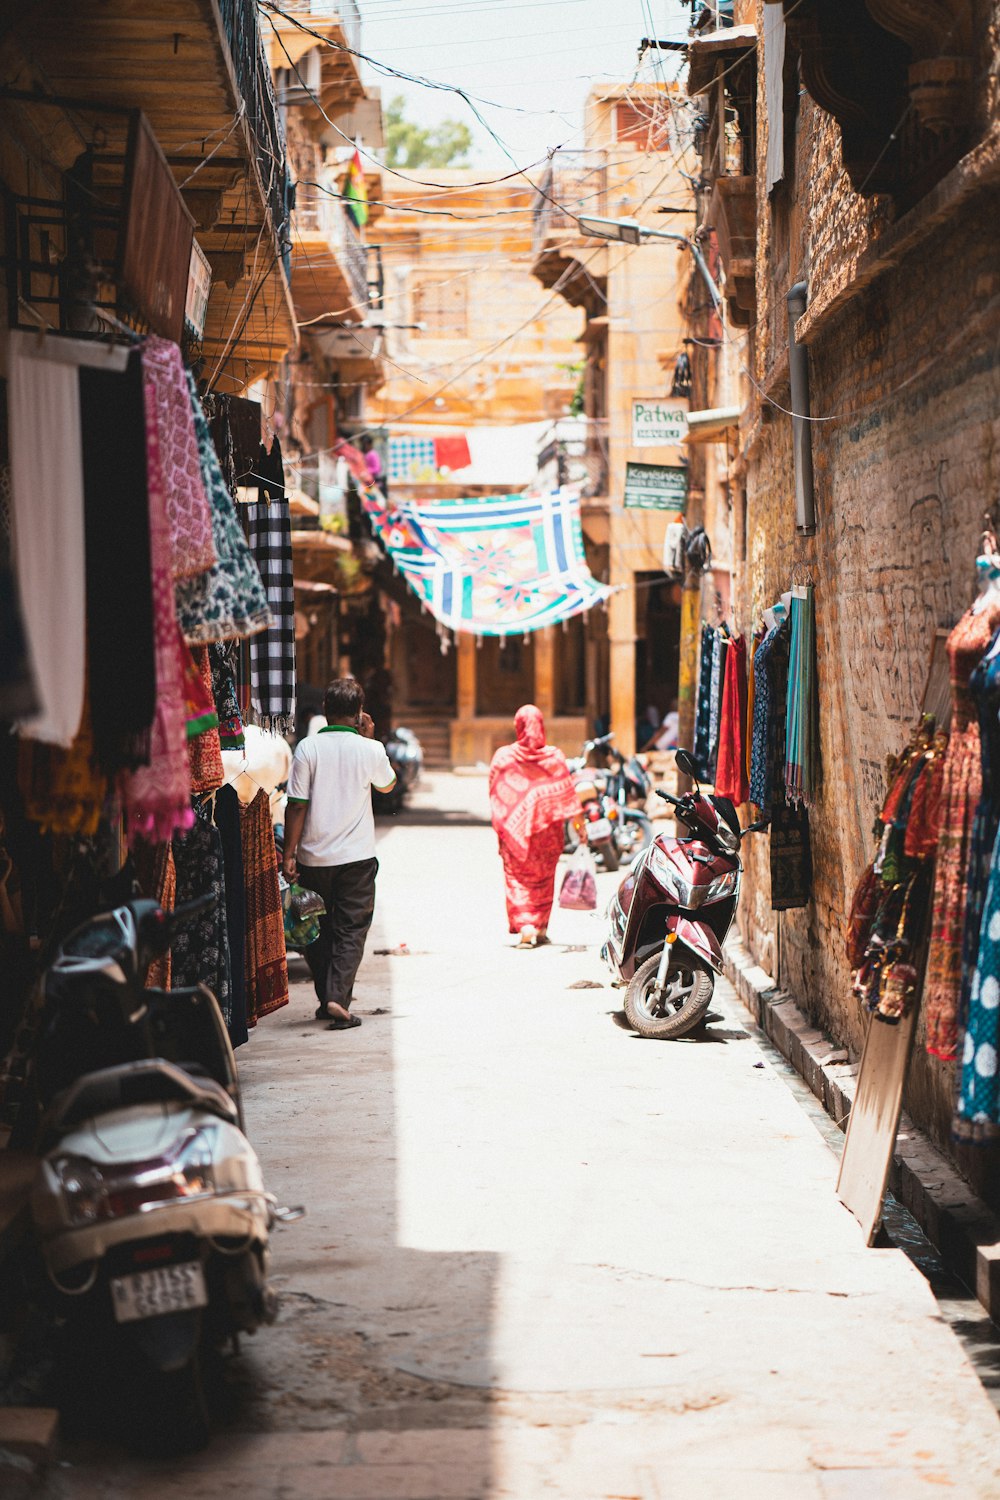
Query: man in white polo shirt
[330,840]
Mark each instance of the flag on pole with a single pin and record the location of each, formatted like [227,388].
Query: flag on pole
[356,191]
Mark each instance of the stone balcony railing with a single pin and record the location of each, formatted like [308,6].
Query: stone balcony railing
[575,182]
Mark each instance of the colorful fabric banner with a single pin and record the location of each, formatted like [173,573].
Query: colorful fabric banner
[356,192]
[502,565]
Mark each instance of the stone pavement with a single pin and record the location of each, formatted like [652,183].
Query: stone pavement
[546,1258]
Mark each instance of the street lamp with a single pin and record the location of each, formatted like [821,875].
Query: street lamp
[631,232]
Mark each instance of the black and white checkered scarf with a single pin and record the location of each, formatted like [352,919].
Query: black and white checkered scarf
[272,651]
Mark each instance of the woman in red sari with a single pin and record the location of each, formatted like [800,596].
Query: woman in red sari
[532,797]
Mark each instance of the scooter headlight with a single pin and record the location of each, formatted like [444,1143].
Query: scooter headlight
[722,885]
[82,1188]
[669,881]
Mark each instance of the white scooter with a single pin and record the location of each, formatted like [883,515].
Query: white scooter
[149,1206]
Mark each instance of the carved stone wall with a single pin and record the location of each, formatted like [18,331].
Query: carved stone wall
[911,368]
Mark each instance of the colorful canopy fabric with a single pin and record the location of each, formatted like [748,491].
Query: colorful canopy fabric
[499,566]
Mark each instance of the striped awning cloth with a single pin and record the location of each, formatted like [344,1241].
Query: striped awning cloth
[502,565]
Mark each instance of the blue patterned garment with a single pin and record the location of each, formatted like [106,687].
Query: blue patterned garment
[978,1113]
[703,721]
[770,669]
[719,648]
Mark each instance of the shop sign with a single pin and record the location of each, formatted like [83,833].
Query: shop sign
[659,424]
[198,290]
[656,487]
[156,235]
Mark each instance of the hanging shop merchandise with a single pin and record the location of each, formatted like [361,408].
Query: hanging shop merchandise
[935,881]
[757,732]
[126,585]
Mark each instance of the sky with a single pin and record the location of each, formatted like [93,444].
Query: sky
[535,58]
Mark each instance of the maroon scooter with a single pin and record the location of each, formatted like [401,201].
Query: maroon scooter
[670,916]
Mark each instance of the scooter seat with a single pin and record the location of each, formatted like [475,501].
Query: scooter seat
[148,1082]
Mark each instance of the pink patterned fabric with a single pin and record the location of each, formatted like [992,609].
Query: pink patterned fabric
[158,796]
[530,785]
[187,509]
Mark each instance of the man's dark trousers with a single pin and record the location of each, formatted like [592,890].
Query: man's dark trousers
[348,893]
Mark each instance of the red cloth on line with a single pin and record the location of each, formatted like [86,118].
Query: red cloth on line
[530,785]
[452,452]
[731,771]
[529,882]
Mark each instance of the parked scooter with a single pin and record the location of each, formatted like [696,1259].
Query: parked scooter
[616,785]
[670,917]
[406,757]
[599,814]
[629,784]
[149,1207]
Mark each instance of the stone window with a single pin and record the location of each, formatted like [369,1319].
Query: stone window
[441,303]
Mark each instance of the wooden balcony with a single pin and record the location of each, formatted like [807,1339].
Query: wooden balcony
[733,216]
[197,70]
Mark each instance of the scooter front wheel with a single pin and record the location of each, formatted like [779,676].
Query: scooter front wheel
[678,1009]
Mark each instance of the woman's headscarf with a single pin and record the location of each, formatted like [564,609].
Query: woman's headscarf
[530,784]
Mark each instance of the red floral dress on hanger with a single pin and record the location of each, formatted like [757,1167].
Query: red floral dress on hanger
[961,787]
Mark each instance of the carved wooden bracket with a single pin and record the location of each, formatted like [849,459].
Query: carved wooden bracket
[939,35]
[856,71]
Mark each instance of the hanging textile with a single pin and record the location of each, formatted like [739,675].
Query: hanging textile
[266,965]
[227,821]
[411,458]
[802,724]
[158,796]
[272,651]
[121,663]
[984,687]
[49,546]
[223,657]
[204,748]
[498,566]
[720,647]
[770,669]
[63,790]
[748,718]
[200,948]
[18,697]
[228,600]
[157,877]
[227,818]
[961,787]
[704,705]
[188,514]
[269,473]
[731,774]
[789,843]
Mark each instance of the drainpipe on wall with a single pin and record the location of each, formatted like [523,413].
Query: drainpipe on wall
[798,369]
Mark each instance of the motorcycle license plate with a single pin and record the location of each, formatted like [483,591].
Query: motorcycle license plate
[168,1289]
[598,831]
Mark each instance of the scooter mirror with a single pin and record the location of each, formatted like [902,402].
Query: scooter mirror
[759,827]
[685,763]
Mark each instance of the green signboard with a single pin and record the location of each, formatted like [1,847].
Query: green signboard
[655,487]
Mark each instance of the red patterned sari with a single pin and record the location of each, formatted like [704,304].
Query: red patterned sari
[531,798]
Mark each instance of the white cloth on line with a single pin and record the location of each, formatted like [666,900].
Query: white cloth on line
[49,548]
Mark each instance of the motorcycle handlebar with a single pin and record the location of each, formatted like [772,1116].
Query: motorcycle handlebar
[190,908]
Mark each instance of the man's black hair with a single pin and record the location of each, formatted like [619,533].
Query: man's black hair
[344,699]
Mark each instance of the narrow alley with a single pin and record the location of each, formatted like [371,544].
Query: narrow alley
[543,1257]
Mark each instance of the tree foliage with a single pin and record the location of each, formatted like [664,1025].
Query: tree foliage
[409,145]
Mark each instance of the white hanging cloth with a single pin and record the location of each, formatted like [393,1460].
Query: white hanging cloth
[49,549]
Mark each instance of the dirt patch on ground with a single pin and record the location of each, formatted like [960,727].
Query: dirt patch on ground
[310,1372]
